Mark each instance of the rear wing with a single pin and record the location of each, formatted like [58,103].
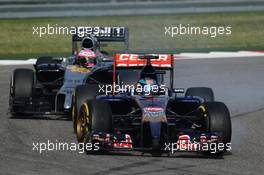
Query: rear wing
[138,61]
[160,61]
[103,34]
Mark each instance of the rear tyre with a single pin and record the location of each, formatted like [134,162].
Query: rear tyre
[204,92]
[81,94]
[93,118]
[217,120]
[21,85]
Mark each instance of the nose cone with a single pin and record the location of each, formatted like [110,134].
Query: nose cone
[155,129]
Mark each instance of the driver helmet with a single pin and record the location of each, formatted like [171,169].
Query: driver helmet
[86,58]
[147,84]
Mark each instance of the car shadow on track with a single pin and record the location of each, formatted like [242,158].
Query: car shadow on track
[40,117]
[186,155]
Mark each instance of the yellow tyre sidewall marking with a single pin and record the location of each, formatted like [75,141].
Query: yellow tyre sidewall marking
[73,107]
[86,108]
[84,113]
[202,108]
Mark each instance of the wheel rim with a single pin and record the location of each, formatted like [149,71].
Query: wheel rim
[82,128]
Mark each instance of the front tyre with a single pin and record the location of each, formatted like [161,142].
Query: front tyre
[21,87]
[22,83]
[94,115]
[217,120]
[81,94]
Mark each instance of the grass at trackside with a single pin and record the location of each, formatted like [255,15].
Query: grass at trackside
[146,33]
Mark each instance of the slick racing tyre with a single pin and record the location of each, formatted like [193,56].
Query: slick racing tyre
[217,120]
[81,94]
[21,85]
[94,115]
[204,92]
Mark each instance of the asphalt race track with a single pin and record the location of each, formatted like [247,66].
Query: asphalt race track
[238,82]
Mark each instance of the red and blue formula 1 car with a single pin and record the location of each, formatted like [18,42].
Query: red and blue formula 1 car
[148,114]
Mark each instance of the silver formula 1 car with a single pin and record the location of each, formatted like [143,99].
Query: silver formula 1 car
[48,89]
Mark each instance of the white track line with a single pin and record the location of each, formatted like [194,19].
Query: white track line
[17,62]
[213,55]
